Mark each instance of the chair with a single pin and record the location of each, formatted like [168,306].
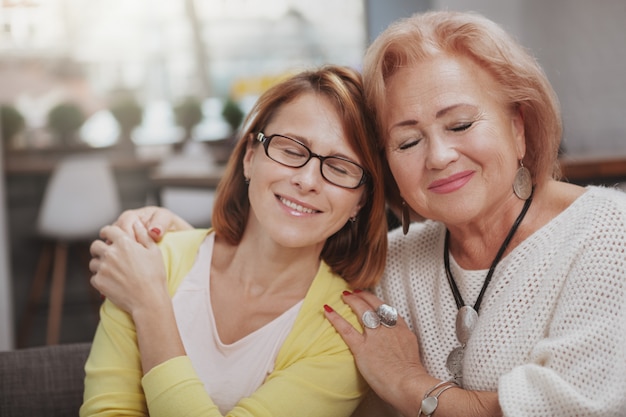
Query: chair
[81,197]
[193,204]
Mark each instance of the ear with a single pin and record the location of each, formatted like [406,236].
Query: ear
[248,157]
[358,207]
[517,126]
[355,212]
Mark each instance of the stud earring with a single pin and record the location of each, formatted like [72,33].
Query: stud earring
[405,218]
[523,182]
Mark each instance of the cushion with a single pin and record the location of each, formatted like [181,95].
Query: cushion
[43,381]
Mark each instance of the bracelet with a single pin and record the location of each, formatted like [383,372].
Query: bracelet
[430,402]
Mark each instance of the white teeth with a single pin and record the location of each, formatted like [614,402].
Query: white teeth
[296,207]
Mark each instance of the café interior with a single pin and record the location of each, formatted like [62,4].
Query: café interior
[112,105]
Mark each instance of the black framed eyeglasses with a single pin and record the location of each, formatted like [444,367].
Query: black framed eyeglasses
[289,152]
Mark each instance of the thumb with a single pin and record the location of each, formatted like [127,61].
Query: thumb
[141,235]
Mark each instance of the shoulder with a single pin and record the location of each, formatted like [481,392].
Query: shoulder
[605,197]
[599,207]
[311,324]
[422,238]
[179,251]
[183,242]
[326,288]
[184,239]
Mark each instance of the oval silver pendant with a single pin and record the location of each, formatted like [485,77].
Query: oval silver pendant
[466,319]
[454,363]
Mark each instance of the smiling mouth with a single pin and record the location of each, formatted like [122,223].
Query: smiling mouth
[297,207]
[451,183]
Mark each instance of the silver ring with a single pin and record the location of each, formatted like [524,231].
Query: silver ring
[388,315]
[370,319]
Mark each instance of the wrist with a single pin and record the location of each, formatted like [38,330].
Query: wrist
[410,393]
[430,400]
[154,308]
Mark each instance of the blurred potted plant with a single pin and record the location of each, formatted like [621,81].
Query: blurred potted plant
[188,114]
[12,123]
[129,114]
[232,113]
[64,120]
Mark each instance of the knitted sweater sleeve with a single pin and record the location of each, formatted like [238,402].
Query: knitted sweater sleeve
[579,368]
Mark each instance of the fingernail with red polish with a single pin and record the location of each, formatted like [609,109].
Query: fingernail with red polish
[346,292]
[328,308]
[156,231]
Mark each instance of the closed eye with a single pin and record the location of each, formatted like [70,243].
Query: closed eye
[294,153]
[461,127]
[408,145]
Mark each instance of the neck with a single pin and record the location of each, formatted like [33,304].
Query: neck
[474,245]
[262,269]
[499,255]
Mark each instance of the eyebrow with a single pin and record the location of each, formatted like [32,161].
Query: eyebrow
[307,142]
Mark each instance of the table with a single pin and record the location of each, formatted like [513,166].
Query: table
[42,164]
[594,168]
[208,180]
[184,172]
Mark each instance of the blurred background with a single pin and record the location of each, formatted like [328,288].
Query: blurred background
[155,91]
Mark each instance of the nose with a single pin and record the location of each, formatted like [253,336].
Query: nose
[440,153]
[309,176]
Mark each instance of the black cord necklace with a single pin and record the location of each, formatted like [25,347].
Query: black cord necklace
[467,316]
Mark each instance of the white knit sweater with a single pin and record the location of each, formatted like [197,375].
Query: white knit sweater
[551,334]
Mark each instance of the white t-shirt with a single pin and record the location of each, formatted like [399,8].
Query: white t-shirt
[229,372]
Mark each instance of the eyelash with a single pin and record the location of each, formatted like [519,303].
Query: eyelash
[408,145]
[462,127]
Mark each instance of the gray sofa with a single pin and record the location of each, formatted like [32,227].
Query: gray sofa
[48,381]
[42,381]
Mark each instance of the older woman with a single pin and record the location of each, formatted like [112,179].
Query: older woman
[515,286]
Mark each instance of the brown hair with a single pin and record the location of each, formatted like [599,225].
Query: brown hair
[356,252]
[471,35]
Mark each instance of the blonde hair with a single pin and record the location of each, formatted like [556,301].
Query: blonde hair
[356,252]
[523,81]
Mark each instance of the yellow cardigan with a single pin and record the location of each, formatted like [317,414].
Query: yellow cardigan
[315,374]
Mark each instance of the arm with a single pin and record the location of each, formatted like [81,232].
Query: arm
[131,274]
[137,330]
[314,371]
[389,360]
[578,368]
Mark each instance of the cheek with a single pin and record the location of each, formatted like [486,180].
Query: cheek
[406,170]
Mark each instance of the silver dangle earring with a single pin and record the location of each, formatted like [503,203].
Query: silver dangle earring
[406,217]
[246,180]
[523,182]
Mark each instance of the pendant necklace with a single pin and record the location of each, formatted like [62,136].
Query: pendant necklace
[467,316]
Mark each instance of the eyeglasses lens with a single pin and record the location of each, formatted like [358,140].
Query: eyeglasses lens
[335,170]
